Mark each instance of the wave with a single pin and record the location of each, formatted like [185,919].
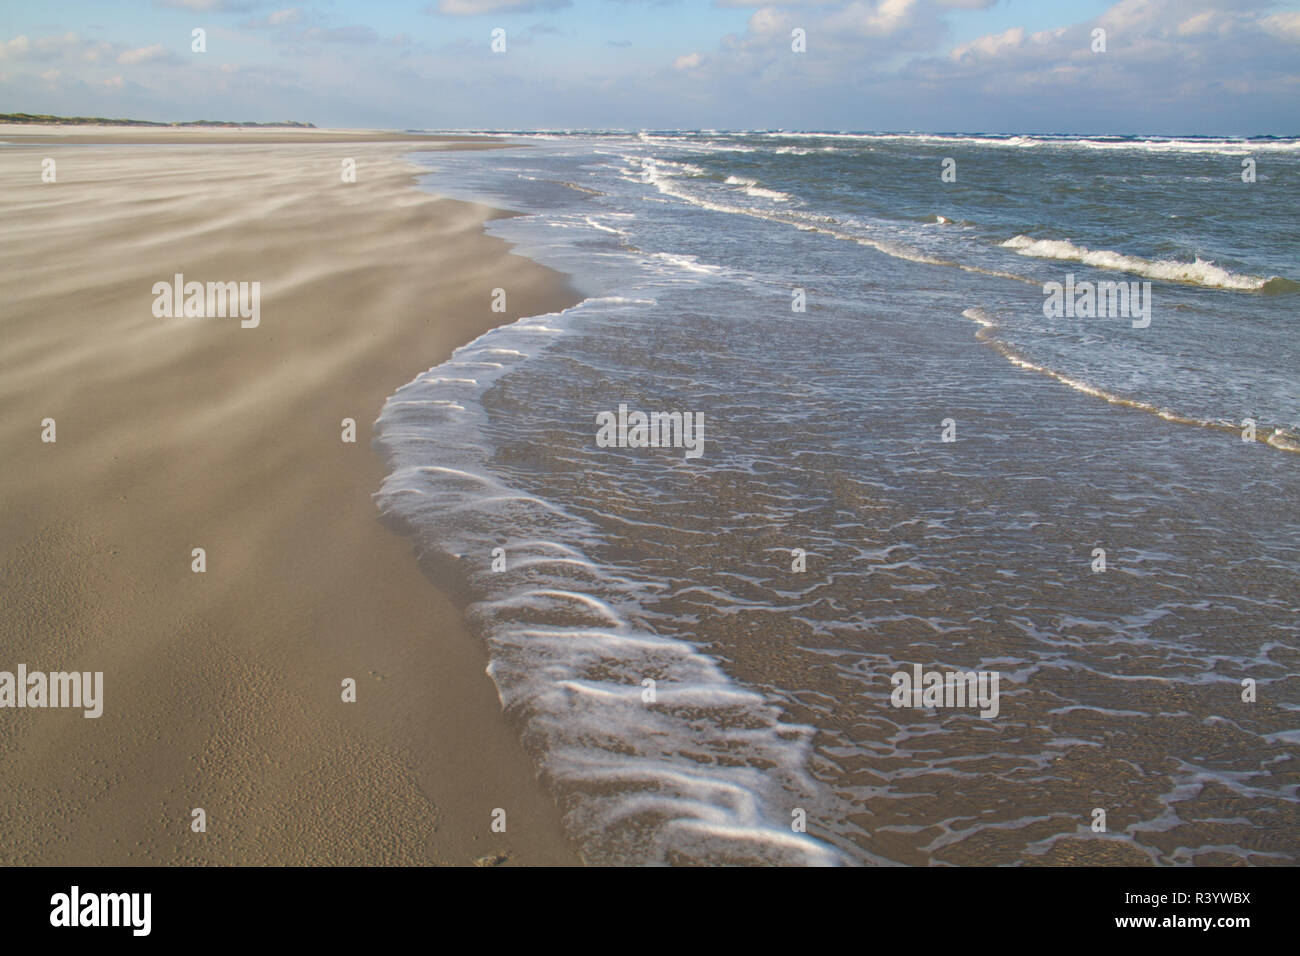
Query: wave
[760,193]
[807,222]
[1199,272]
[709,771]
[714,141]
[752,188]
[827,226]
[1151,144]
[1275,437]
[689,169]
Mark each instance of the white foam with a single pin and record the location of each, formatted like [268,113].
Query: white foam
[889,247]
[688,263]
[1222,146]
[710,770]
[1279,437]
[760,193]
[1198,272]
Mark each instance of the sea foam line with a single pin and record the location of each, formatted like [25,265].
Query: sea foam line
[1278,438]
[1198,272]
[709,771]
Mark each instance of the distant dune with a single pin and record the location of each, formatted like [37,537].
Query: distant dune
[43,119]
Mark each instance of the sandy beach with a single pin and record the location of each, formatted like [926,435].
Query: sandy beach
[222,689]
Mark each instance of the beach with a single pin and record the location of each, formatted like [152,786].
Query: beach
[930,574]
[224,690]
[905,472]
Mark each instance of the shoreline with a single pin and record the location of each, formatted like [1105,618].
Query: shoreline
[76,134]
[222,689]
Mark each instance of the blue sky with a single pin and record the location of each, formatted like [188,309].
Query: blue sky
[1170,66]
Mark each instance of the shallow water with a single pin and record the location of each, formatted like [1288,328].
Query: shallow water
[1120,690]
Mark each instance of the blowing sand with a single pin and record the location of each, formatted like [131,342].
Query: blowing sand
[222,689]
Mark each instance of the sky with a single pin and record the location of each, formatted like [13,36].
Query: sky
[1169,67]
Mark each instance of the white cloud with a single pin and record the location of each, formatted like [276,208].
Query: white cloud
[142,55]
[206,5]
[768,21]
[468,8]
[1283,25]
[688,61]
[879,18]
[1197,24]
[1130,14]
[15,47]
[995,44]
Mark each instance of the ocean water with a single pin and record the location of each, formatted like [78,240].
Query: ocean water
[698,651]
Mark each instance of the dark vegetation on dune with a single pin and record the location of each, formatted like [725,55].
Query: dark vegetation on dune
[41,118]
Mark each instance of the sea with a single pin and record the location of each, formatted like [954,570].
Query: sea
[881,460]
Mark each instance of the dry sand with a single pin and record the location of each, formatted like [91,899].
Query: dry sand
[223,689]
